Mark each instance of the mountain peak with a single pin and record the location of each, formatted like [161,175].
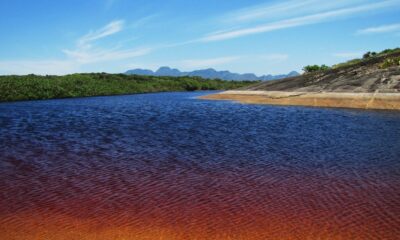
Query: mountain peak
[164,68]
[209,73]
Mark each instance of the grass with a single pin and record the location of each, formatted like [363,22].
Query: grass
[34,87]
[390,62]
[358,60]
[348,63]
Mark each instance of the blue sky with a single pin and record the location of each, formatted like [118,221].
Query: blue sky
[262,37]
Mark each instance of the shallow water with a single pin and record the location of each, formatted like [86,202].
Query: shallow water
[170,166]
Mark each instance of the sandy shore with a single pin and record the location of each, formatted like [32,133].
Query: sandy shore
[376,100]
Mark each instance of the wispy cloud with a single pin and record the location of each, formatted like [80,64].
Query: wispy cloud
[380,29]
[84,53]
[110,29]
[99,55]
[142,21]
[283,9]
[347,54]
[299,21]
[209,62]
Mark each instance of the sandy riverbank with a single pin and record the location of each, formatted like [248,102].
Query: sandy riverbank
[390,101]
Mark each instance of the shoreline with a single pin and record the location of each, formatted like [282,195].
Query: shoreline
[383,101]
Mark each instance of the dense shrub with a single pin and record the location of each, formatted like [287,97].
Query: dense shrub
[388,51]
[95,84]
[315,68]
[369,55]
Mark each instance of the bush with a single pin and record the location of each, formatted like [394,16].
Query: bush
[390,62]
[369,55]
[387,51]
[315,68]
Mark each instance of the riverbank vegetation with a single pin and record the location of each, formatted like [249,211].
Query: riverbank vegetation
[34,87]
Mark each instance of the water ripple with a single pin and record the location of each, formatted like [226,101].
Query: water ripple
[168,166]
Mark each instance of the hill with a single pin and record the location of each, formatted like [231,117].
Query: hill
[366,75]
[209,73]
[370,82]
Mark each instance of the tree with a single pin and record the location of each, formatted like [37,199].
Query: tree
[315,68]
[323,67]
[311,68]
[369,55]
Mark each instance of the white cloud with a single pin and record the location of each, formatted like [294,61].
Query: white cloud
[284,9]
[347,54]
[380,29]
[299,21]
[92,56]
[84,53]
[205,63]
[110,29]
[142,21]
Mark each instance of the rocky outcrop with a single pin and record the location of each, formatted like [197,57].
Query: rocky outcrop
[366,76]
[363,85]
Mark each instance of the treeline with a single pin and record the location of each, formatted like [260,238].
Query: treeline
[32,87]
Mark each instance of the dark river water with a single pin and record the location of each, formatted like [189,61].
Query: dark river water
[170,166]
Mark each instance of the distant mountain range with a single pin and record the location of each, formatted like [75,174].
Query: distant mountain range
[209,73]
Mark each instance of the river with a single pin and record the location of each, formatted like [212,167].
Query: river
[170,166]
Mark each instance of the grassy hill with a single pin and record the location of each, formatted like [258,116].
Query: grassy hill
[31,87]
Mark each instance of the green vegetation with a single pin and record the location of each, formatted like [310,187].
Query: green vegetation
[390,62]
[389,51]
[367,56]
[30,87]
[315,68]
[348,63]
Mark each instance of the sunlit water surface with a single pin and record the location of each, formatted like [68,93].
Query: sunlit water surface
[169,166]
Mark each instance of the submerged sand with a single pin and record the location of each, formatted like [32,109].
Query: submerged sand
[376,100]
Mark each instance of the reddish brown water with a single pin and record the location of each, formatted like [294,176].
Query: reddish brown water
[166,166]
